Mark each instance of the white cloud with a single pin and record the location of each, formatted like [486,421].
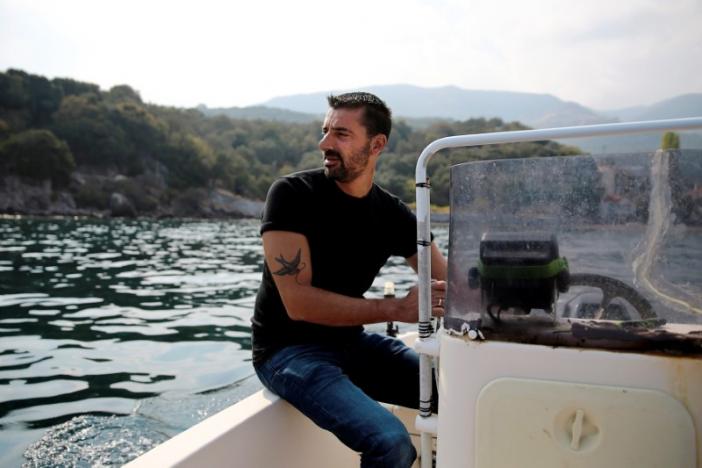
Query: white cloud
[600,53]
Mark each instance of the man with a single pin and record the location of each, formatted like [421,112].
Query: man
[326,234]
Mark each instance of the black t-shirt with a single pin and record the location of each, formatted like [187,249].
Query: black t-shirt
[350,239]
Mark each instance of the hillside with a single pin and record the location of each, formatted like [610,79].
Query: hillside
[274,114]
[68,147]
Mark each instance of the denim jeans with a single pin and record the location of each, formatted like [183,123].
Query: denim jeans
[337,385]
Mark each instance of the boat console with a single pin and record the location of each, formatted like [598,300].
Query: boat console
[518,272]
[573,326]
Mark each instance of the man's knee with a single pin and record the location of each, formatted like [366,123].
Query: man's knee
[390,449]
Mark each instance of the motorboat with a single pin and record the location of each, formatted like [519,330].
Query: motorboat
[573,330]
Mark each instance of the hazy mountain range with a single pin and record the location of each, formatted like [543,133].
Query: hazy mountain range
[420,106]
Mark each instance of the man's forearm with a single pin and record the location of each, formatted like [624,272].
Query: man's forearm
[288,257]
[323,307]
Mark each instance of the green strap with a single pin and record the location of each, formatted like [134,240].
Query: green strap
[549,270]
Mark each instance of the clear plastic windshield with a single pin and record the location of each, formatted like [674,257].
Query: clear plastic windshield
[633,218]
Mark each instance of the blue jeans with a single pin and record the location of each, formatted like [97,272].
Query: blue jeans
[337,385]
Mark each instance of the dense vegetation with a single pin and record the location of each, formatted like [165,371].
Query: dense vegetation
[55,129]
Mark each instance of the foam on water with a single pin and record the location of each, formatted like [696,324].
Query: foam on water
[94,440]
[651,249]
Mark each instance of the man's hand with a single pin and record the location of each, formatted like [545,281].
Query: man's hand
[409,305]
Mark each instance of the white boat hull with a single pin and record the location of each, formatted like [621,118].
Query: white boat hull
[261,431]
[641,410]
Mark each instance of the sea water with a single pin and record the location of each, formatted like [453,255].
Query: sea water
[116,335]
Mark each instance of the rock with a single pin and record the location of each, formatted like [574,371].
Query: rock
[86,194]
[188,203]
[20,196]
[223,202]
[121,206]
[63,204]
[77,179]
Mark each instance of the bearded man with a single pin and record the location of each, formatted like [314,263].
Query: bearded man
[326,234]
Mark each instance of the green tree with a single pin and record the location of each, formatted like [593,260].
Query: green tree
[231,171]
[76,88]
[85,123]
[35,94]
[122,93]
[190,161]
[4,130]
[670,141]
[45,98]
[145,131]
[38,154]
[13,93]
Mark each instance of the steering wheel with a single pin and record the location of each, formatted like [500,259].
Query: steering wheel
[612,288]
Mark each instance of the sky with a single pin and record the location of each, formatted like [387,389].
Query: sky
[604,54]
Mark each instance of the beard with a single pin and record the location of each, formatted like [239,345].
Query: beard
[349,168]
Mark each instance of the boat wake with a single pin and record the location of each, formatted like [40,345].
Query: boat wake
[660,220]
[95,440]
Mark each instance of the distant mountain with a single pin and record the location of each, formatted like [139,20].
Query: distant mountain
[260,113]
[686,105]
[421,107]
[536,110]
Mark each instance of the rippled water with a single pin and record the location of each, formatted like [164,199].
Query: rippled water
[116,335]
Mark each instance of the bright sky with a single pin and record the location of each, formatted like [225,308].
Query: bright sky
[604,54]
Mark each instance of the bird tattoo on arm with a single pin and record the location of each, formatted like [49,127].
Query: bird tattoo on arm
[291,267]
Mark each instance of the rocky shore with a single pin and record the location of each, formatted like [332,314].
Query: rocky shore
[116,195]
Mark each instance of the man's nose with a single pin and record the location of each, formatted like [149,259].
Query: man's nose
[325,142]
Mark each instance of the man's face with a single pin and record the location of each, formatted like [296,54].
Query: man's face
[345,144]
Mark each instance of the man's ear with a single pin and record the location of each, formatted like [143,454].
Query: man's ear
[378,143]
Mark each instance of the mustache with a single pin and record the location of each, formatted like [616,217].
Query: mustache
[332,154]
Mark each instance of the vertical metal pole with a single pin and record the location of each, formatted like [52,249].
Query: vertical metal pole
[424,319]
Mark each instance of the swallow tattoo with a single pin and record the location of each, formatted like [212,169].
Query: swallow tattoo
[290,267]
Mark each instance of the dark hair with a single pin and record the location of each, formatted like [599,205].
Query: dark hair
[377,117]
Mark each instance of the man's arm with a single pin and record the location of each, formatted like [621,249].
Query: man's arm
[439,267]
[287,255]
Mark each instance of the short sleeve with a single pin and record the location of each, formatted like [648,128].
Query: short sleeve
[282,209]
[405,231]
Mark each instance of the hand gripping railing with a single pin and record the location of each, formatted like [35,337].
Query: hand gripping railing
[426,344]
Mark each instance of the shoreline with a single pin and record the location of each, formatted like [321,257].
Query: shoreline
[436,218]
[108,217]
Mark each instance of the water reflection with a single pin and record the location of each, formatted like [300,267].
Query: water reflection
[98,315]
